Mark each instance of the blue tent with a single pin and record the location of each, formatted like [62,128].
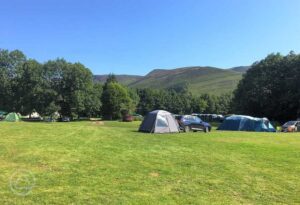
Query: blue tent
[246,123]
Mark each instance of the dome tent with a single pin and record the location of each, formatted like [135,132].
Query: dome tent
[159,121]
[12,117]
[246,123]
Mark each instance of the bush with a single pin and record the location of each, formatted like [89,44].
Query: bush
[138,118]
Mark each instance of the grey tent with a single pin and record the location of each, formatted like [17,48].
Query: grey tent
[159,121]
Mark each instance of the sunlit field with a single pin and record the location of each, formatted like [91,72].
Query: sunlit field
[112,163]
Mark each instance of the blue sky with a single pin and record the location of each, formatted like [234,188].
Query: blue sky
[136,36]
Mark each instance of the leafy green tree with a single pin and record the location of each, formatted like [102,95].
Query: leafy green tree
[224,104]
[147,100]
[115,98]
[93,101]
[76,86]
[72,88]
[10,62]
[135,99]
[50,109]
[111,78]
[171,100]
[28,87]
[270,88]
[199,105]
[178,102]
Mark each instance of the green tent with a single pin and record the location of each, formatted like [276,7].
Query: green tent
[12,117]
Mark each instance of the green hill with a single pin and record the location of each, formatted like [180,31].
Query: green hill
[124,79]
[242,69]
[200,79]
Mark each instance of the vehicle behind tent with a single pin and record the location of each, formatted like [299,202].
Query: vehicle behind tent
[2,114]
[12,117]
[159,121]
[246,123]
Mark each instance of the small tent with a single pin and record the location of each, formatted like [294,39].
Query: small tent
[33,115]
[159,121]
[12,117]
[246,123]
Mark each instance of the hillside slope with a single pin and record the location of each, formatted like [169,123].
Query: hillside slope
[200,79]
[123,79]
[242,69]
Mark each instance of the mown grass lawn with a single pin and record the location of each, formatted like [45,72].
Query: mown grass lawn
[87,163]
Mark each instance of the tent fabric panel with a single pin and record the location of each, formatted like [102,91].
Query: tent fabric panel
[271,127]
[173,125]
[161,124]
[148,123]
[230,125]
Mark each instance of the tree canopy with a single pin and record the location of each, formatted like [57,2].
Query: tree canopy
[115,98]
[56,86]
[271,88]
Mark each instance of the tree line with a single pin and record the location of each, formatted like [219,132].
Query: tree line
[182,102]
[58,86]
[270,88]
[55,86]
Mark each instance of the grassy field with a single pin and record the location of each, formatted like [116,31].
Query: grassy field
[88,163]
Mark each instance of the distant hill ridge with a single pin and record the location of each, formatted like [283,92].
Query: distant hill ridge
[199,79]
[242,69]
[124,79]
